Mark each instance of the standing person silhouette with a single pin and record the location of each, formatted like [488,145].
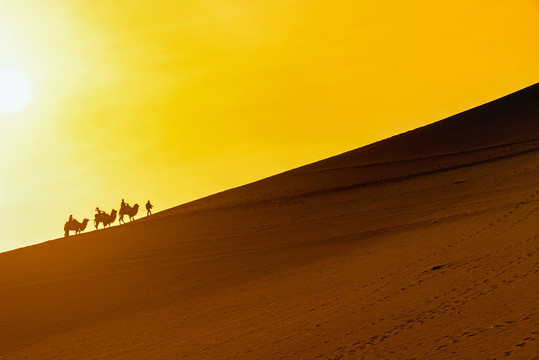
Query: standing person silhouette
[123,204]
[149,207]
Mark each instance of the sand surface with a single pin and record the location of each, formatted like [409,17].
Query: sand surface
[422,246]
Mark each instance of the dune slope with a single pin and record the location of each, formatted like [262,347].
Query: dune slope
[420,246]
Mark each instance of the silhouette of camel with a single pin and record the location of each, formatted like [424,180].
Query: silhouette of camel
[105,218]
[75,226]
[129,211]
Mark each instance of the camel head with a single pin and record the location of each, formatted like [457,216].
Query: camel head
[113,215]
[84,223]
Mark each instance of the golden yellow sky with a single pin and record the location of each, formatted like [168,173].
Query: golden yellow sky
[174,100]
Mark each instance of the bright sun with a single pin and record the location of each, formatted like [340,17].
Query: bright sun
[15,91]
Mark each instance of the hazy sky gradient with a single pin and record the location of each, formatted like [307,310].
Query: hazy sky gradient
[174,100]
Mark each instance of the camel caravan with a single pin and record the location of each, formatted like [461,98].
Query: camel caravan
[101,217]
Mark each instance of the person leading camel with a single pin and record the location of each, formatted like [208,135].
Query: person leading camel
[149,207]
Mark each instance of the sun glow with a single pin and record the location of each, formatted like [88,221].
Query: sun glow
[15,91]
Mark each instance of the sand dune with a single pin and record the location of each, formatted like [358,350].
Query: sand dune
[422,246]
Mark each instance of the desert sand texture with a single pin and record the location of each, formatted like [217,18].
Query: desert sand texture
[421,246]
